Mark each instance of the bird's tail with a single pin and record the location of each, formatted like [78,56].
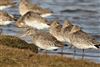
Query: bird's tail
[97,45]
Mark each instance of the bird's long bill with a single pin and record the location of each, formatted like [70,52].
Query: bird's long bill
[25,34]
[47,14]
[28,32]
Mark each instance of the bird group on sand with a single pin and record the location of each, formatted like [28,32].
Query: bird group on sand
[33,17]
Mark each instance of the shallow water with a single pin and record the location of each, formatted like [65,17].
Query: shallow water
[85,13]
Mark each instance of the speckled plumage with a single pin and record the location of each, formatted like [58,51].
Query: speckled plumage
[26,5]
[6,18]
[55,30]
[44,40]
[66,28]
[33,20]
[81,39]
[6,4]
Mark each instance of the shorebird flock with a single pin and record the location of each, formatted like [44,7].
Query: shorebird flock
[33,17]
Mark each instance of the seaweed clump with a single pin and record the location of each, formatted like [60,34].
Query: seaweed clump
[15,42]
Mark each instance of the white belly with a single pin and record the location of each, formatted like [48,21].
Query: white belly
[46,47]
[4,7]
[5,22]
[36,25]
[46,15]
[84,46]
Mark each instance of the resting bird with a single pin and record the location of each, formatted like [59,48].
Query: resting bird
[44,40]
[26,5]
[33,20]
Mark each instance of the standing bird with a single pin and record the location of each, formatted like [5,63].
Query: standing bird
[44,40]
[66,28]
[26,5]
[6,4]
[6,18]
[81,39]
[33,20]
[55,30]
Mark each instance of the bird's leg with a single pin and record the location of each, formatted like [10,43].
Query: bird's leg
[74,53]
[83,54]
[46,52]
[0,31]
[62,50]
